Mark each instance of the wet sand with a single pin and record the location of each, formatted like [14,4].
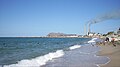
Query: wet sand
[112,52]
[81,57]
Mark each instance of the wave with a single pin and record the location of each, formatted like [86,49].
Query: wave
[74,47]
[94,40]
[38,61]
[41,60]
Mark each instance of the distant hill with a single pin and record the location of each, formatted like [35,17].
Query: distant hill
[61,35]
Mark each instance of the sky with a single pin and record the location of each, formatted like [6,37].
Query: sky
[40,17]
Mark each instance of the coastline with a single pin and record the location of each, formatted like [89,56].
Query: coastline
[40,60]
[112,52]
[86,56]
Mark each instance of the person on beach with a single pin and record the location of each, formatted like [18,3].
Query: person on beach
[106,40]
[112,41]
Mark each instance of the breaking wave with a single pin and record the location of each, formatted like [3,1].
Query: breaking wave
[41,60]
[74,47]
[38,61]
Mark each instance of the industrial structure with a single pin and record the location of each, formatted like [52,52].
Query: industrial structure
[108,16]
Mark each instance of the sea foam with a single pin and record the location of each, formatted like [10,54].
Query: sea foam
[74,47]
[94,40]
[38,61]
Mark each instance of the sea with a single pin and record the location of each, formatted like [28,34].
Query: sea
[49,52]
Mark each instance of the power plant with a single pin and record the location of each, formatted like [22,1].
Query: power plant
[108,16]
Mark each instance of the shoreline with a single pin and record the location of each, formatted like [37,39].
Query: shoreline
[86,56]
[81,36]
[112,52]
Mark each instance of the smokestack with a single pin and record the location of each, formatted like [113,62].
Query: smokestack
[108,16]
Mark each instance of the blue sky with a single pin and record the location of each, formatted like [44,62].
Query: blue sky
[40,17]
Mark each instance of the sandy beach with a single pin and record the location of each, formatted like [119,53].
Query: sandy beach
[112,52]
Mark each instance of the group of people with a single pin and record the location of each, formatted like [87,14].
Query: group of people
[108,40]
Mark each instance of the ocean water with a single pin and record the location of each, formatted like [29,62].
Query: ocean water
[48,52]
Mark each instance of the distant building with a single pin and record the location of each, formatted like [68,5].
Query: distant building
[118,31]
[61,35]
[91,34]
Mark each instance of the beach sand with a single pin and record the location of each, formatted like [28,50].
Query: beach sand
[112,52]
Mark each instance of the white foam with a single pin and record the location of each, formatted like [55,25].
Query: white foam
[94,40]
[38,61]
[91,41]
[74,47]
